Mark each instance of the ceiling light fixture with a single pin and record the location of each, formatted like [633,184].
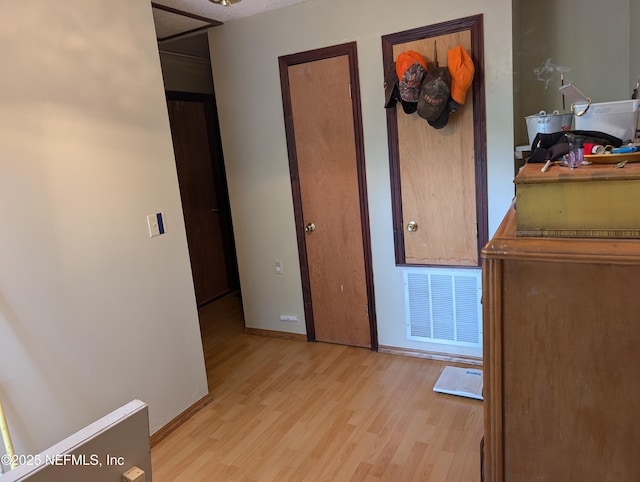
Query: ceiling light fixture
[225,3]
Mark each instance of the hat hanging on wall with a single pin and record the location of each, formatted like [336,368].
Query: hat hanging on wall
[462,71]
[433,91]
[392,92]
[434,97]
[390,85]
[411,67]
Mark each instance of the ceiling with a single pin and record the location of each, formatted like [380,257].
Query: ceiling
[181,25]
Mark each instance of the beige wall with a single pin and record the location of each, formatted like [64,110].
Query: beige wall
[186,74]
[245,69]
[93,312]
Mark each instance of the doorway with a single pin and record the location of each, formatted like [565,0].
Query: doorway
[203,190]
[321,101]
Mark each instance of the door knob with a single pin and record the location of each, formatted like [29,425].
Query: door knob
[412,227]
[310,227]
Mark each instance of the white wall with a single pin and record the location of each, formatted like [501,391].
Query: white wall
[93,312]
[246,78]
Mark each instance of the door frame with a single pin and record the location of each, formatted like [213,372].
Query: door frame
[284,62]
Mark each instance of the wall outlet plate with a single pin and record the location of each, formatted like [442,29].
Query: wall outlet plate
[288,317]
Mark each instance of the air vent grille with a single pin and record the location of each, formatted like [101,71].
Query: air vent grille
[443,306]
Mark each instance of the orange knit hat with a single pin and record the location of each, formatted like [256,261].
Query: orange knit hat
[462,70]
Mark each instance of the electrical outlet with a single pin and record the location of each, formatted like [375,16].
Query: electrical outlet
[288,317]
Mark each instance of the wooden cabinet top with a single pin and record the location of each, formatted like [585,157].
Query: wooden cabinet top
[505,244]
[532,173]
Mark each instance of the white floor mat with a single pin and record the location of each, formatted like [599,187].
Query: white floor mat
[464,382]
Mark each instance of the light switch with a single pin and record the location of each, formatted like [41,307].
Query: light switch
[278,266]
[156,224]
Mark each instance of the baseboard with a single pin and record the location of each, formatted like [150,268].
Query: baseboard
[180,419]
[276,334]
[431,355]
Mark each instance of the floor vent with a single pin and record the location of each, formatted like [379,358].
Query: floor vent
[443,306]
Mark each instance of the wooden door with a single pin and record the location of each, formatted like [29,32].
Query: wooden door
[330,215]
[206,223]
[438,176]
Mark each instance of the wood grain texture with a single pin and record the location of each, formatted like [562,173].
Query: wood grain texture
[326,157]
[473,25]
[560,250]
[284,410]
[598,200]
[179,420]
[431,355]
[275,334]
[561,337]
[204,215]
[492,372]
[437,173]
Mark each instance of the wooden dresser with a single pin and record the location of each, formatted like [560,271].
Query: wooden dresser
[561,358]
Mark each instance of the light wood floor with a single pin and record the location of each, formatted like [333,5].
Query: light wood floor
[292,411]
